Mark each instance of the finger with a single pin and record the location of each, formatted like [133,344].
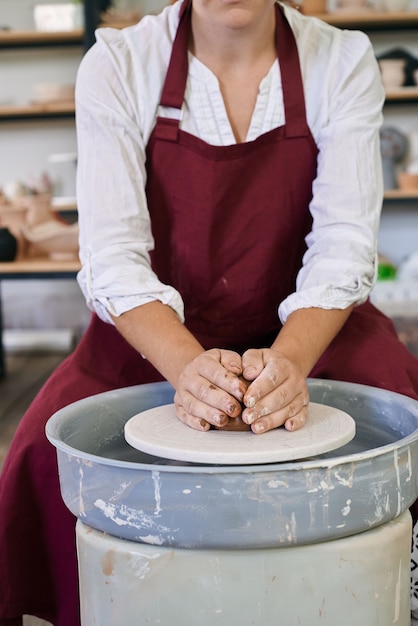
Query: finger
[198,414]
[270,379]
[191,420]
[231,361]
[211,370]
[285,402]
[252,364]
[224,422]
[297,421]
[293,416]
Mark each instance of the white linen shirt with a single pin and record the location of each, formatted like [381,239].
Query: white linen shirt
[118,87]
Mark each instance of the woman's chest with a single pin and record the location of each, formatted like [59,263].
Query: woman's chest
[217,114]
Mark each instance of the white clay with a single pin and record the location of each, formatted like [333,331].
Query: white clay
[159,432]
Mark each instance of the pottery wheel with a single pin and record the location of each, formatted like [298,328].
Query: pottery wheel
[159,432]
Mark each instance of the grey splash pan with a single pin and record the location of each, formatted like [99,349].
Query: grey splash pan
[118,490]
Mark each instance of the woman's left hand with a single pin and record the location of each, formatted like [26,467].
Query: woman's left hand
[278,393]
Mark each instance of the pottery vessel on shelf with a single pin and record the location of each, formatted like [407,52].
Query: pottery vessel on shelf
[413,148]
[53,92]
[395,5]
[393,148]
[8,245]
[14,218]
[392,72]
[410,64]
[57,239]
[38,208]
[407,181]
[352,6]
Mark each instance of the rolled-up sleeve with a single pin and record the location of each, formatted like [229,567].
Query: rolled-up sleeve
[340,264]
[115,231]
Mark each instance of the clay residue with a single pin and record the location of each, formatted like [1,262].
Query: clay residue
[107,562]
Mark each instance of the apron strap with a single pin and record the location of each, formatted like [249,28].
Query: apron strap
[176,78]
[293,97]
[292,84]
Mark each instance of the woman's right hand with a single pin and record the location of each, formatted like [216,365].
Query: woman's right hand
[210,389]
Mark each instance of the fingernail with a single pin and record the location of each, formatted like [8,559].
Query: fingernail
[250,417]
[221,420]
[250,401]
[259,427]
[249,371]
[233,408]
[239,394]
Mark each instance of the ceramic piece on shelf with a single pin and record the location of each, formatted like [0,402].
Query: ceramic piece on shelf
[407,181]
[412,167]
[398,54]
[408,270]
[13,190]
[395,5]
[38,208]
[392,72]
[53,92]
[13,218]
[53,17]
[8,245]
[54,238]
[352,6]
[393,147]
[413,145]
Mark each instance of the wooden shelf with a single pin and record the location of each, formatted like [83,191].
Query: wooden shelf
[403,94]
[398,194]
[373,20]
[42,266]
[35,38]
[31,38]
[64,207]
[37,110]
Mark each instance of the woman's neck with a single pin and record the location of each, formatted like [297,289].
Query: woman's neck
[239,48]
[235,41]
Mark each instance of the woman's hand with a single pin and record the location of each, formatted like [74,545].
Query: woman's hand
[215,386]
[210,389]
[278,393]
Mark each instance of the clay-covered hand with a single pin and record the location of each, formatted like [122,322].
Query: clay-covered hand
[210,389]
[278,393]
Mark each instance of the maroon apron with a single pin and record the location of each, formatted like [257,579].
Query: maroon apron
[229,225]
[230,222]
